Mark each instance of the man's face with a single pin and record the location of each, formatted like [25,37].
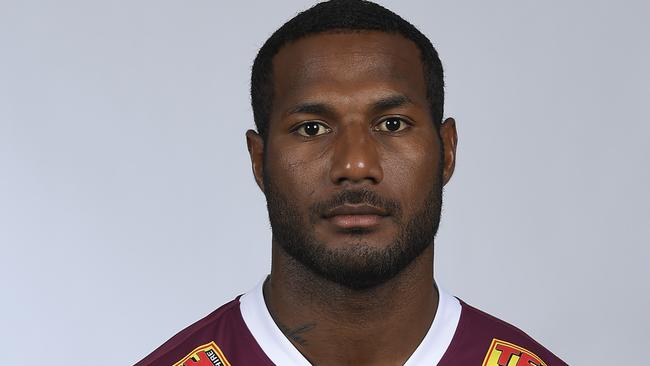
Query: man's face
[353,165]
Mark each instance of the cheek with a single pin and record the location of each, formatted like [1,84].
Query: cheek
[296,171]
[412,171]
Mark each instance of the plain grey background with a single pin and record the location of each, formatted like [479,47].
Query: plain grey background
[128,208]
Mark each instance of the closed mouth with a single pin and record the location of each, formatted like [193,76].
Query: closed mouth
[355,209]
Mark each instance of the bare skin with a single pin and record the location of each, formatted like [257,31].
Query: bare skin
[350,111]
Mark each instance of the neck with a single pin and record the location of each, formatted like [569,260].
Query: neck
[329,323]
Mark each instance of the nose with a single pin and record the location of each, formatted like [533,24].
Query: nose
[356,158]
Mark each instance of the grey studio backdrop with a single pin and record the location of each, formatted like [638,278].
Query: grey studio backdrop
[128,208]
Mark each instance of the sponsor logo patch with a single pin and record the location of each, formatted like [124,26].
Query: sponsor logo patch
[205,355]
[502,353]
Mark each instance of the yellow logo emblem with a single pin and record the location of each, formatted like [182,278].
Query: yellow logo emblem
[205,355]
[502,353]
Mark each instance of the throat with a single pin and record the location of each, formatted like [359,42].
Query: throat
[329,323]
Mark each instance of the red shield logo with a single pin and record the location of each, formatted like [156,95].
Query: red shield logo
[205,355]
[502,353]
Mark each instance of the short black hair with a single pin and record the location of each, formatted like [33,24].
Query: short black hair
[341,16]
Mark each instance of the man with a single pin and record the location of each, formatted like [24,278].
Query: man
[351,153]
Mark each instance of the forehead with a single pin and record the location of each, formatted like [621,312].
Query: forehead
[348,64]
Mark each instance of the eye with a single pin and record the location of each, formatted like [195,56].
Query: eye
[312,128]
[392,124]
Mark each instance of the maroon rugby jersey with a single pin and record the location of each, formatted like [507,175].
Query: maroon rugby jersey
[242,333]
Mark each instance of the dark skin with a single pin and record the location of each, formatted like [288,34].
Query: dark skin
[349,112]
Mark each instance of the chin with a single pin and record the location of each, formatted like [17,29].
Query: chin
[357,263]
[369,238]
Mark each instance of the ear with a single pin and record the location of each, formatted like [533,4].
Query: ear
[255,144]
[449,140]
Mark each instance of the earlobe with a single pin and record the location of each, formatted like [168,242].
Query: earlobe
[449,139]
[255,144]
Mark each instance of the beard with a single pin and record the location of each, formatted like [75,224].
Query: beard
[357,266]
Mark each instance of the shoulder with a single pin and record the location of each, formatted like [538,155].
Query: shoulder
[482,339]
[219,338]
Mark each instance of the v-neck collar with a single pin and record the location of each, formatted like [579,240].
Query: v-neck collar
[282,352]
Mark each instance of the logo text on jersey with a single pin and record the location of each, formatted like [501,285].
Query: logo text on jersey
[206,355]
[502,353]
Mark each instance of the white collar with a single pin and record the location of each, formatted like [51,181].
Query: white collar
[282,352]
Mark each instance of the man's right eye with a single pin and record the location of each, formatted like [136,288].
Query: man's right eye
[312,128]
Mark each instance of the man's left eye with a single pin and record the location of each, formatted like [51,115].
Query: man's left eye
[392,124]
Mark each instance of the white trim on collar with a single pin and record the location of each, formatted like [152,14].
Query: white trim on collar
[267,334]
[280,350]
[442,330]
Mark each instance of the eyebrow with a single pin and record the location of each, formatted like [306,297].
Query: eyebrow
[324,109]
[312,108]
[390,102]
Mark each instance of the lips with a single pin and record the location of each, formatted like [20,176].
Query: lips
[350,216]
[360,209]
